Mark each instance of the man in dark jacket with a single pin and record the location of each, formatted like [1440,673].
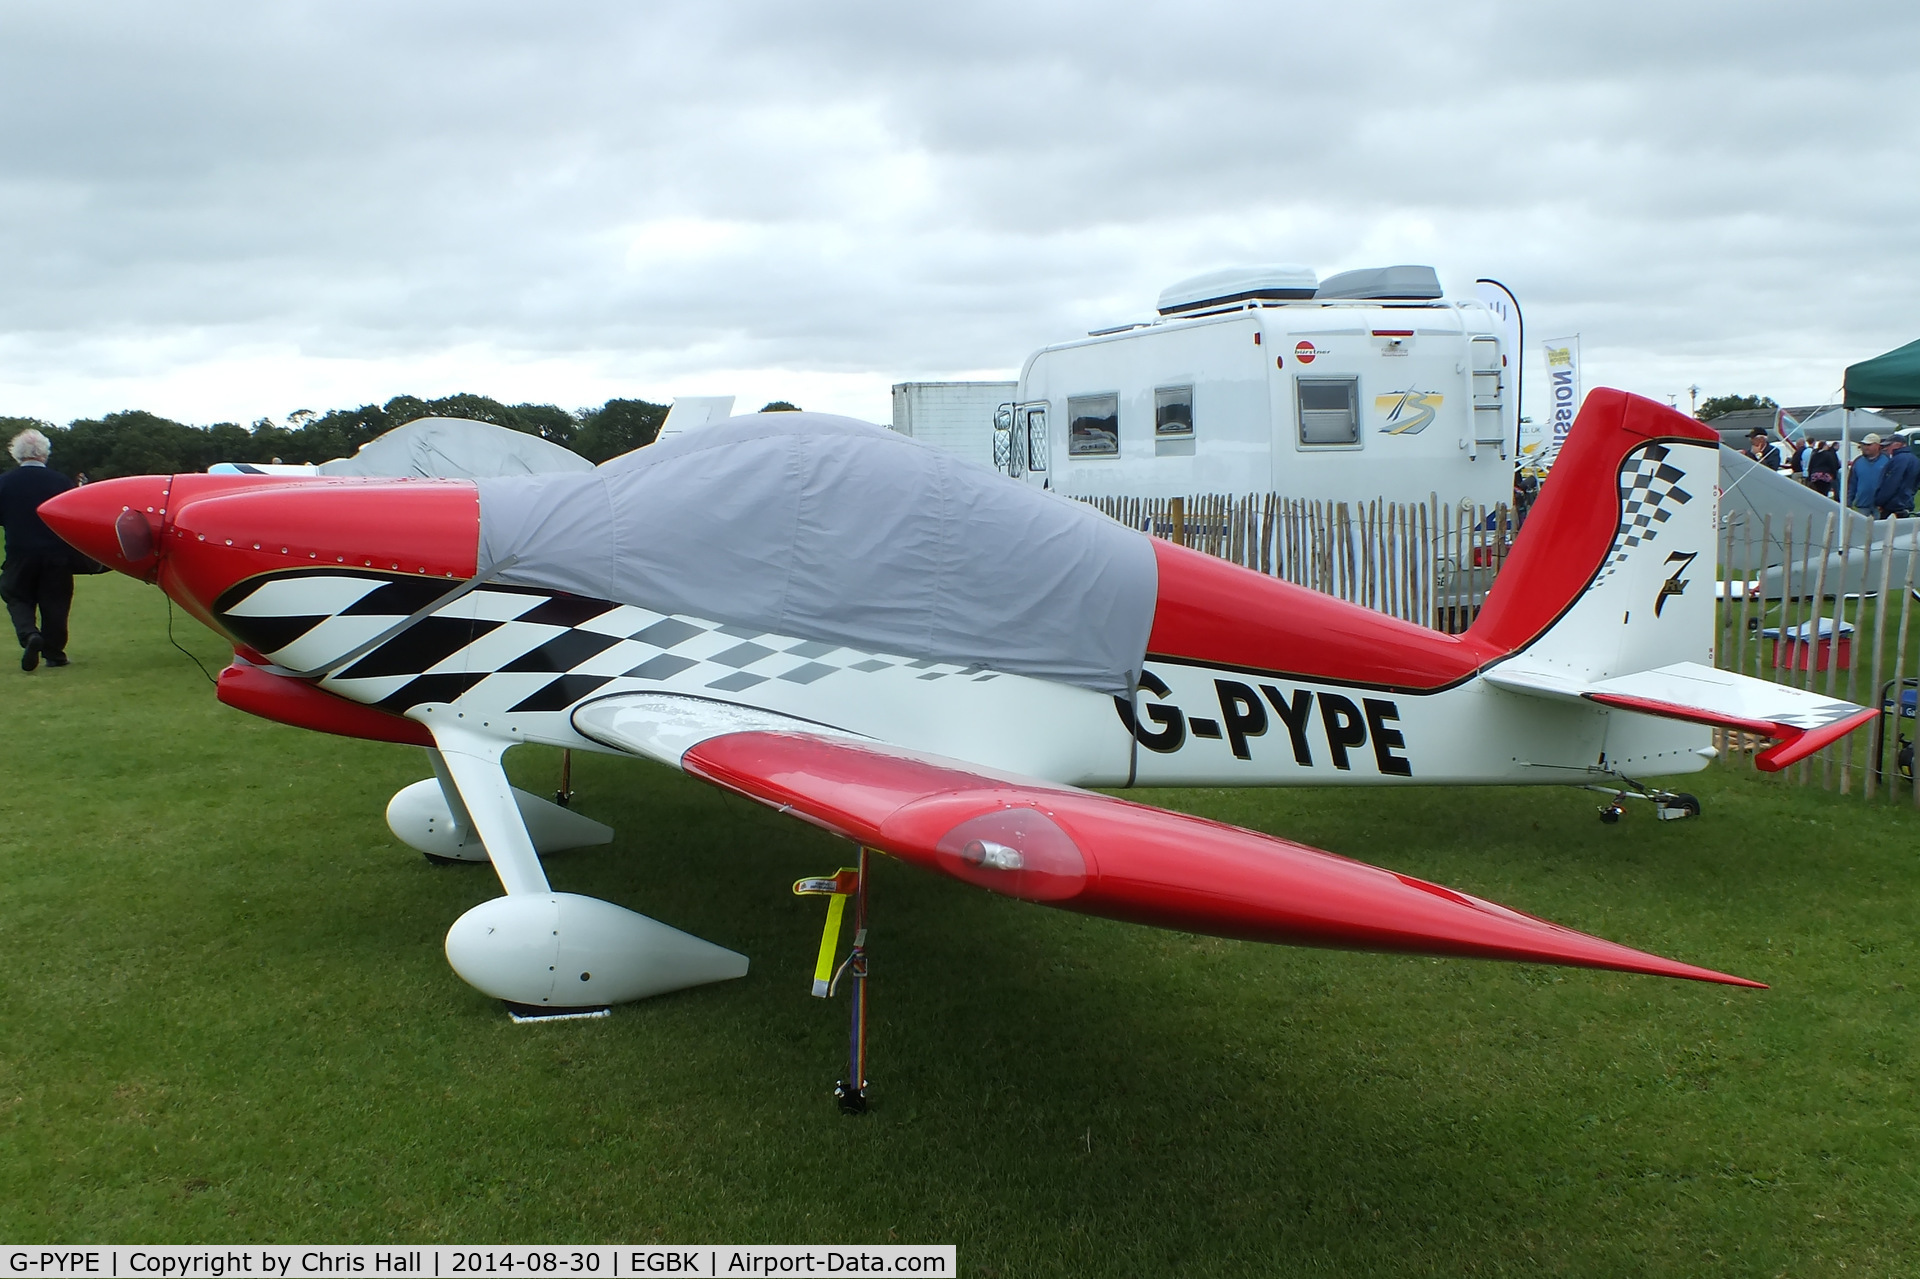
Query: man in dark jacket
[1762,452]
[1823,469]
[1900,478]
[36,581]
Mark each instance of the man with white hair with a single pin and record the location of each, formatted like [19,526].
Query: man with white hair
[36,581]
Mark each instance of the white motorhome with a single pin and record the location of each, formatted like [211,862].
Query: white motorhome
[1369,384]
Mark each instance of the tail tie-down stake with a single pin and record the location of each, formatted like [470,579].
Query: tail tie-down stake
[848,883]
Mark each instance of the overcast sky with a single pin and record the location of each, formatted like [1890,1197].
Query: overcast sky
[229,211]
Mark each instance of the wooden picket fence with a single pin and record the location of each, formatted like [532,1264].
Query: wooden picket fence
[1878,609]
[1429,563]
[1432,564]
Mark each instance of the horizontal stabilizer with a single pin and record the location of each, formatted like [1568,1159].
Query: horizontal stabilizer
[1800,722]
[1105,856]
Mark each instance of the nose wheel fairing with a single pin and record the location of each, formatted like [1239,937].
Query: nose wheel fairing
[429,816]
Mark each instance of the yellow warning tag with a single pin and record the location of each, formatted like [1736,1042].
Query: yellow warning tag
[841,885]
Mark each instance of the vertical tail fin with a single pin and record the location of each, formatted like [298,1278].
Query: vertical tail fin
[1608,597]
[1613,572]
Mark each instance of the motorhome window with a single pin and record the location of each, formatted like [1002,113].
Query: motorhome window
[1172,412]
[1093,426]
[1329,410]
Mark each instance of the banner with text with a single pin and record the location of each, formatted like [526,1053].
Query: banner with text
[1563,391]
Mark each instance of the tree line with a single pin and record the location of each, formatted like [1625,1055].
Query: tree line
[136,442]
[1720,405]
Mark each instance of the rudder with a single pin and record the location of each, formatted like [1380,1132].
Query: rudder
[1613,571]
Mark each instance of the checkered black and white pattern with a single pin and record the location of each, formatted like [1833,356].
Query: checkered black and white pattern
[523,650]
[1650,493]
[1815,714]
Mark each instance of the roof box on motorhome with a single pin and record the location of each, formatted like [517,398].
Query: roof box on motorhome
[1239,284]
[1382,283]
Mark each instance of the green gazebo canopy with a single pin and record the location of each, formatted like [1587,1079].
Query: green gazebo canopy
[1889,381]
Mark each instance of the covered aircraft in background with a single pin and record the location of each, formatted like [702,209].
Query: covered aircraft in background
[937,663]
[447,448]
[1758,507]
[458,448]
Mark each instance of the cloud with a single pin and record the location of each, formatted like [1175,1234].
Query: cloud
[223,211]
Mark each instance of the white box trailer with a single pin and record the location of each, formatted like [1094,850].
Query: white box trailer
[1370,384]
[955,416]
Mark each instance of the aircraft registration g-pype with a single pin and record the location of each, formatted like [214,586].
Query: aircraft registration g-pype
[936,662]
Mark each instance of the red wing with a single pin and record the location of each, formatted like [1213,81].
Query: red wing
[1106,856]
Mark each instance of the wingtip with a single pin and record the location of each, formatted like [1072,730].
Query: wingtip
[1726,979]
[1688,972]
[1793,749]
[1556,944]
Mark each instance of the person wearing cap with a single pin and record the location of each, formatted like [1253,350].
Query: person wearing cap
[1762,452]
[1901,477]
[1863,476]
[37,579]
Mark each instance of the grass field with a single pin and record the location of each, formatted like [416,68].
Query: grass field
[225,1015]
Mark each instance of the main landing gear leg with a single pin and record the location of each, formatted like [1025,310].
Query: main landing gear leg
[432,817]
[1668,805]
[847,884]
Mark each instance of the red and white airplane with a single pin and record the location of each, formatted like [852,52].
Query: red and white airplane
[937,663]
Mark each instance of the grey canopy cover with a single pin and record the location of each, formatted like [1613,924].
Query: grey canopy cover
[827,528]
[454,448]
